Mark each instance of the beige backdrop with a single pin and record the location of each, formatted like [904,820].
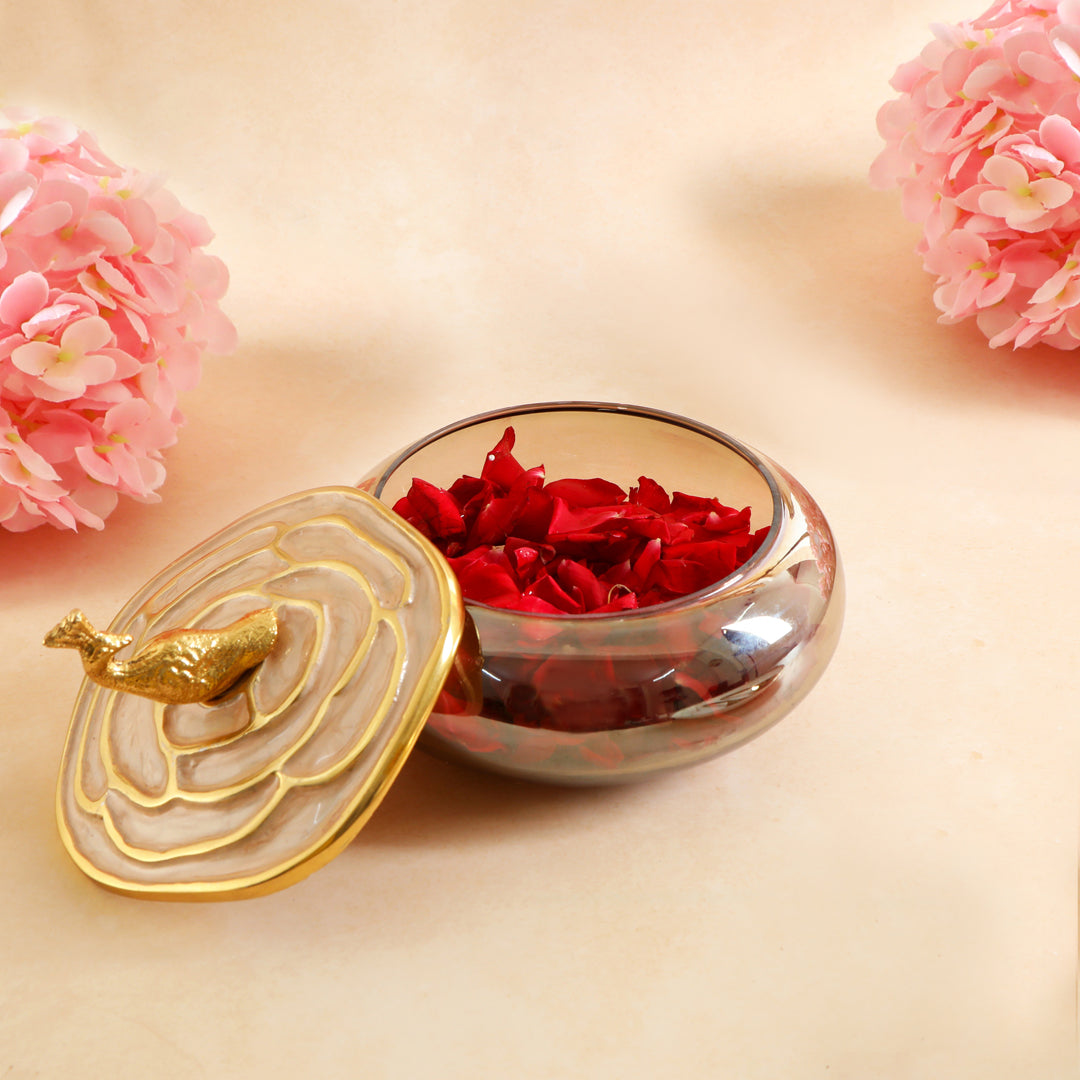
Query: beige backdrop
[432,208]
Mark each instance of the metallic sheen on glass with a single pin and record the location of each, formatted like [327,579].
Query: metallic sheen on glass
[595,699]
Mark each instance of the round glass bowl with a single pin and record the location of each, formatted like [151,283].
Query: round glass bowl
[605,698]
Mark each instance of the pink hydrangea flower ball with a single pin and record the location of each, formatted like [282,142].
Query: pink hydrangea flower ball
[107,302]
[984,144]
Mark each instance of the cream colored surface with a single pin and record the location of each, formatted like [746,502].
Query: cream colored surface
[433,208]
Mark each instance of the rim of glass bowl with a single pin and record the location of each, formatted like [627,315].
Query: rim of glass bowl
[690,599]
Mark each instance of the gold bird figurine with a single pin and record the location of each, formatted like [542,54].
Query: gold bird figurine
[178,667]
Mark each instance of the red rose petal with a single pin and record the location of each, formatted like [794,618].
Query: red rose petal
[727,520]
[647,560]
[486,577]
[524,557]
[580,493]
[529,478]
[530,602]
[471,494]
[650,494]
[682,576]
[534,516]
[567,519]
[683,504]
[494,522]
[437,509]
[403,508]
[578,578]
[548,589]
[501,467]
[717,554]
[625,601]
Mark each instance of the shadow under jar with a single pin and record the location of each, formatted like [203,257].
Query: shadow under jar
[606,698]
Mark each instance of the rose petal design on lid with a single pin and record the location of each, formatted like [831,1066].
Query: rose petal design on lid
[251,793]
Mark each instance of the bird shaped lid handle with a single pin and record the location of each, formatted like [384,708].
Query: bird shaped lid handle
[175,667]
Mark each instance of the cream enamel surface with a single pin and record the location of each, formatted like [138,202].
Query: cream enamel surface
[433,209]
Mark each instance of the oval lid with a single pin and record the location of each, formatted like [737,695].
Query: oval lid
[253,791]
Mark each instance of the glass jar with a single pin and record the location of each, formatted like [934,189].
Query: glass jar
[603,698]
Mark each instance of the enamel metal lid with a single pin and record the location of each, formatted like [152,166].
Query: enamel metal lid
[255,789]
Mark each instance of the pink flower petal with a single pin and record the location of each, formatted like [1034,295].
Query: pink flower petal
[14,157]
[94,368]
[14,205]
[58,513]
[984,77]
[49,319]
[163,248]
[1004,172]
[86,335]
[67,192]
[95,288]
[141,222]
[1067,52]
[1039,66]
[997,290]
[208,276]
[1039,159]
[104,395]
[1055,285]
[36,357]
[996,129]
[128,471]
[23,298]
[55,387]
[81,514]
[113,277]
[57,440]
[1060,138]
[192,227]
[126,415]
[218,332]
[1052,192]
[96,502]
[56,129]
[997,203]
[97,466]
[45,219]
[152,474]
[979,121]
[124,364]
[159,285]
[110,230]
[137,323]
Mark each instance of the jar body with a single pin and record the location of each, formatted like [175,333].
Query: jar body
[611,697]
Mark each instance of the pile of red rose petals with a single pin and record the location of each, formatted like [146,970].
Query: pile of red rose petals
[575,547]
